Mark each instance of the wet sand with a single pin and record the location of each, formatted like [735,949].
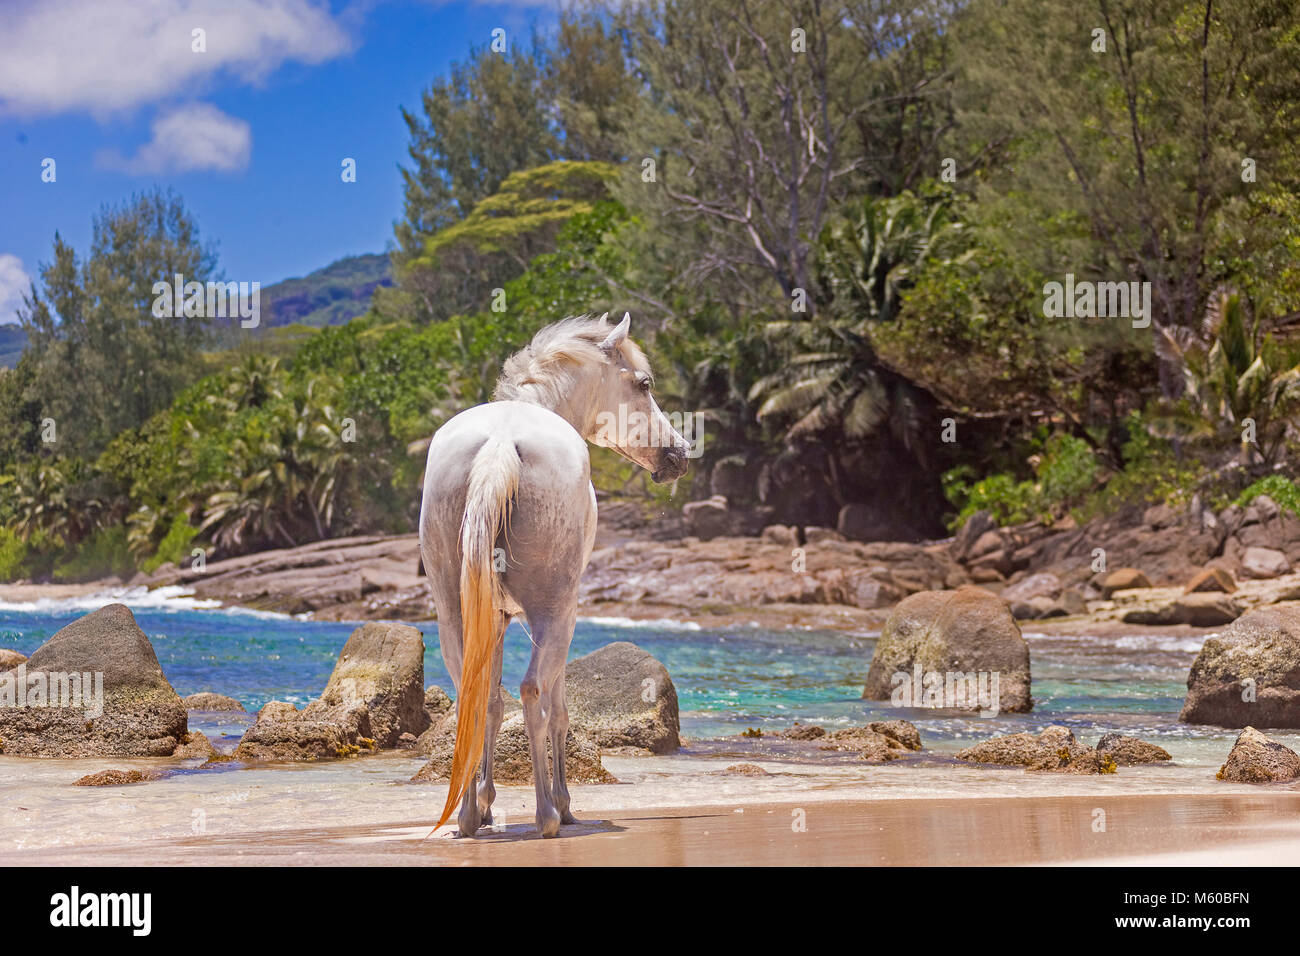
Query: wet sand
[674,810]
[1147,829]
[32,593]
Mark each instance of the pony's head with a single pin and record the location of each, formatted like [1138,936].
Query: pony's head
[598,379]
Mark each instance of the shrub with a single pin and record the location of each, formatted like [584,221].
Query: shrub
[32,558]
[1068,470]
[1281,489]
[13,553]
[1152,473]
[103,553]
[1008,500]
[174,547]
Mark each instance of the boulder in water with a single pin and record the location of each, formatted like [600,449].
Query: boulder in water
[1249,673]
[339,732]
[1023,749]
[209,701]
[903,731]
[1068,761]
[381,668]
[100,660]
[1130,751]
[444,724]
[802,732]
[276,710]
[1255,758]
[511,758]
[437,701]
[966,631]
[115,778]
[744,770]
[195,745]
[374,696]
[622,697]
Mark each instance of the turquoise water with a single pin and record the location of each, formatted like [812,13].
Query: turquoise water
[726,680]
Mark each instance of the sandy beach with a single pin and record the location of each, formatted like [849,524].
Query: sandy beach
[679,810]
[803,806]
[1147,830]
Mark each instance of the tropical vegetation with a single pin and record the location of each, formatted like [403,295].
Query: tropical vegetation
[834,225]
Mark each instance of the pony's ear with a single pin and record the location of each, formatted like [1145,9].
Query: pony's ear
[617,335]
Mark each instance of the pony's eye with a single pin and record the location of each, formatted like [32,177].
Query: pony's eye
[645,384]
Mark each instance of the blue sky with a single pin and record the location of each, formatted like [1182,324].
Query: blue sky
[251,133]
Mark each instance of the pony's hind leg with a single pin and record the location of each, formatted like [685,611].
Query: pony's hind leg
[470,818]
[559,732]
[487,791]
[551,636]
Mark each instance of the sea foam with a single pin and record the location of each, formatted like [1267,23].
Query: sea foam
[170,598]
[632,623]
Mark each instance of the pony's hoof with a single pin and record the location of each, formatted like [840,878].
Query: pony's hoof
[468,827]
[567,817]
[548,822]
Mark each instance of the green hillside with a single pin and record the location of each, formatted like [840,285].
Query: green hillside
[12,343]
[328,296]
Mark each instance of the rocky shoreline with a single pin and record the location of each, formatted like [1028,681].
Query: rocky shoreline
[955,650]
[1188,569]
[938,606]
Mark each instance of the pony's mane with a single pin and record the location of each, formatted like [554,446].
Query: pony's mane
[544,371]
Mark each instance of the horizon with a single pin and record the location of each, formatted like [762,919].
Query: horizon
[249,137]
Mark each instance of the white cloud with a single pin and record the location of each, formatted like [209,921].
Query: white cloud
[194,137]
[14,284]
[102,56]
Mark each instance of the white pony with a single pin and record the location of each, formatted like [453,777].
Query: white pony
[507,524]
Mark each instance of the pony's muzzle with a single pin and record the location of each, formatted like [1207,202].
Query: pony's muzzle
[672,464]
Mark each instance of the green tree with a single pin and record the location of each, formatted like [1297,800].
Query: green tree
[755,113]
[1146,159]
[832,382]
[588,81]
[972,331]
[102,361]
[483,121]
[1241,386]
[458,267]
[20,411]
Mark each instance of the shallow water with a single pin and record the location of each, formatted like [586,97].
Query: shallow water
[727,680]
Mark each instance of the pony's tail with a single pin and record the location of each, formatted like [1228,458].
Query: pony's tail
[493,481]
